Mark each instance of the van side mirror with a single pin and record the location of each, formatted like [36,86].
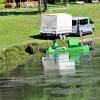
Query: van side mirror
[91,21]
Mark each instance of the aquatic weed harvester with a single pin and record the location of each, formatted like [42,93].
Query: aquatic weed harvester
[73,46]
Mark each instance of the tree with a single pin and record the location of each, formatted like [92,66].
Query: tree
[42,5]
[66,3]
[45,5]
[17,3]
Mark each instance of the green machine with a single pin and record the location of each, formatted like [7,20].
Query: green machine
[73,47]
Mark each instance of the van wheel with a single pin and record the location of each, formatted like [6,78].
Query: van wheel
[60,36]
[64,36]
[81,33]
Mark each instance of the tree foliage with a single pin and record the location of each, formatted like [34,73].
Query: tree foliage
[2,1]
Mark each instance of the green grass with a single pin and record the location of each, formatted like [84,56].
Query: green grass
[17,29]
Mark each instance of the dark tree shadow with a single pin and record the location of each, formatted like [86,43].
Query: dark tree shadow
[19,13]
[73,35]
[39,36]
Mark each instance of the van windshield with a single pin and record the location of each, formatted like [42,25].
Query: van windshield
[73,22]
[83,21]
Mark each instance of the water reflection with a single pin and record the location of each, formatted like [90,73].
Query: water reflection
[59,62]
[28,82]
[65,62]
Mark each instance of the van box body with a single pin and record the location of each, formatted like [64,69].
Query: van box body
[55,24]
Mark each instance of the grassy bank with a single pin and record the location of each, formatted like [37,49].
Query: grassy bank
[16,56]
[19,33]
[21,29]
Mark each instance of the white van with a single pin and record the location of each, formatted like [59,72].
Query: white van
[82,25]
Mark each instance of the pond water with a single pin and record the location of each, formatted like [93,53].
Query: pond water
[28,81]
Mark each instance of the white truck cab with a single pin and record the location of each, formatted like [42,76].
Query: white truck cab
[82,25]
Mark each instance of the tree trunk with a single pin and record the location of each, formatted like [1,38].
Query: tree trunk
[66,3]
[39,6]
[45,5]
[42,5]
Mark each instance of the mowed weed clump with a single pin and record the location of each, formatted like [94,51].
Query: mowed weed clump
[17,54]
[20,53]
[11,57]
[13,54]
